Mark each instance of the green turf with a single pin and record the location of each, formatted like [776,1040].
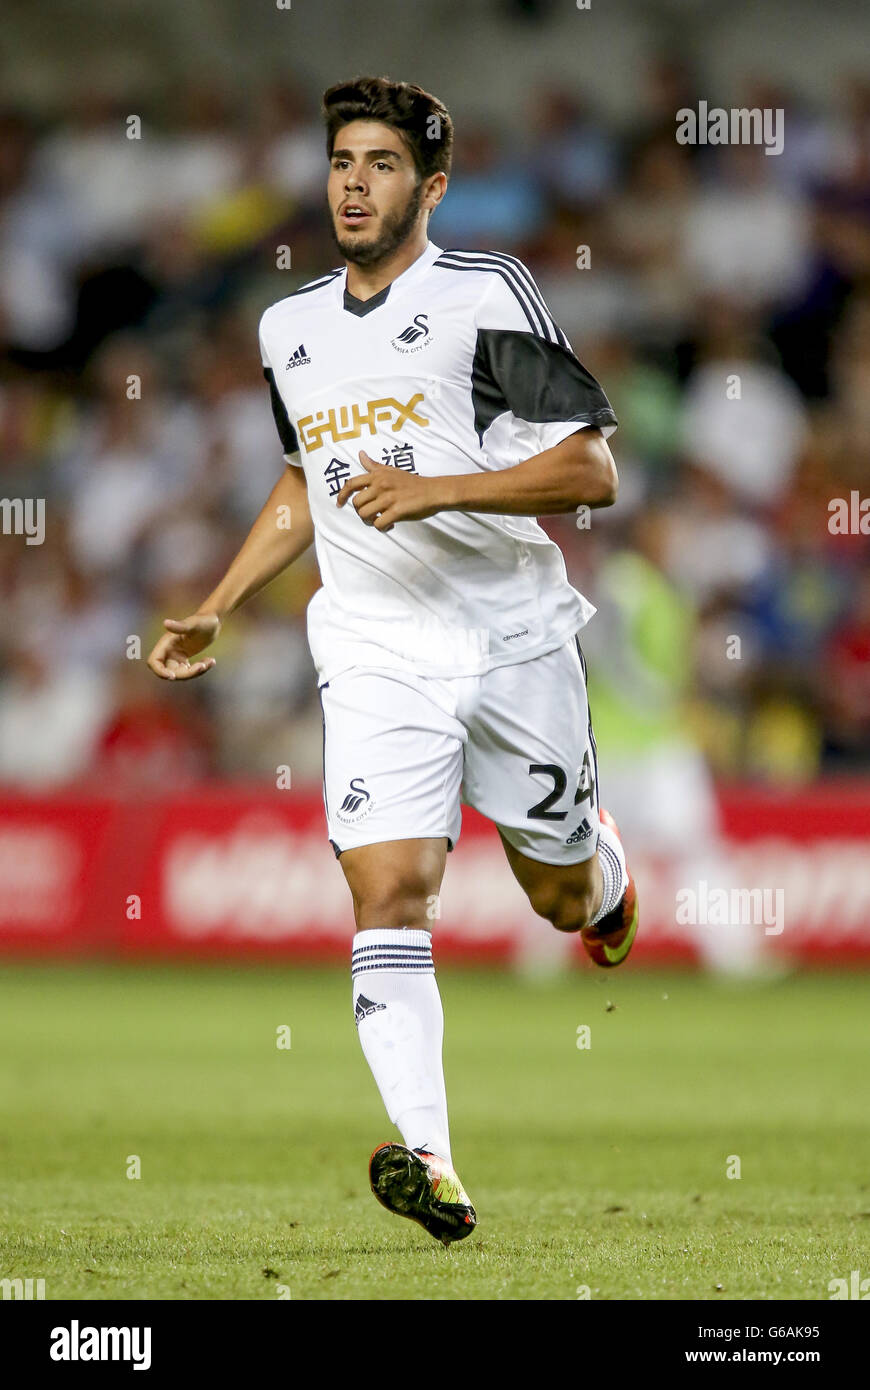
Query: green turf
[603,1167]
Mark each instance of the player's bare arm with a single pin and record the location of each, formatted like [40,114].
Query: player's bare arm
[578,472]
[282,532]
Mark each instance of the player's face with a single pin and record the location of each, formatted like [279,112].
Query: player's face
[374,192]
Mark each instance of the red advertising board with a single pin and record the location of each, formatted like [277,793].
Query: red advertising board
[229,871]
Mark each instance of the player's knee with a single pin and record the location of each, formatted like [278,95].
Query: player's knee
[403,901]
[573,910]
[567,907]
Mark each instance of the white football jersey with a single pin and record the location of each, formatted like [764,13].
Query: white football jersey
[455,367]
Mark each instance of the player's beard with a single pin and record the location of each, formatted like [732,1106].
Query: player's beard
[395,229]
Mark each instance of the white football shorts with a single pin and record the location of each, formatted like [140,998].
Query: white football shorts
[402,752]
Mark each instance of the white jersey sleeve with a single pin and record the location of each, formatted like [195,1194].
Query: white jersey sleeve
[525,366]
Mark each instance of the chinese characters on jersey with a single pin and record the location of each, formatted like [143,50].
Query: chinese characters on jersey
[400,456]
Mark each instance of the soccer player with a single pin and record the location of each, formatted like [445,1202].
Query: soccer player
[429,409]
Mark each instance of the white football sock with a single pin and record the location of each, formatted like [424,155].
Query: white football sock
[611,857]
[401,1028]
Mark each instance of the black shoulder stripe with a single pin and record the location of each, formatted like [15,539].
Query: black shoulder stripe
[315,284]
[495,259]
[452,265]
[482,260]
[526,277]
[286,432]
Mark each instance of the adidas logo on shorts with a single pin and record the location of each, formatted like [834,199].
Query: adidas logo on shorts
[583,831]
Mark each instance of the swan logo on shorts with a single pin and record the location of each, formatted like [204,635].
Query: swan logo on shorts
[357,804]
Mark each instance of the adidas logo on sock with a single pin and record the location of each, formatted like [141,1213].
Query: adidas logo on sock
[298,359]
[583,831]
[363,1007]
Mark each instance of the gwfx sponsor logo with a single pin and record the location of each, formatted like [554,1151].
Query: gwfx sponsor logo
[349,421]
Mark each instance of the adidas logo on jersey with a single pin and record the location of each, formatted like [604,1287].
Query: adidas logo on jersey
[298,359]
[583,831]
[363,1007]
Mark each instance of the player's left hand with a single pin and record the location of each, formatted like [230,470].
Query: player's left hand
[387,495]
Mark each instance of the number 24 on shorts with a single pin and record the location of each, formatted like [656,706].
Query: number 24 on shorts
[585,789]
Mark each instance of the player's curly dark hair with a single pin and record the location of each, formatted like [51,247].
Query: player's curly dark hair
[422,119]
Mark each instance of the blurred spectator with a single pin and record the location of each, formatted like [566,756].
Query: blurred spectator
[50,719]
[493,201]
[846,688]
[152,741]
[647,401]
[710,548]
[260,688]
[134,453]
[573,152]
[648,225]
[746,236]
[40,237]
[656,781]
[743,420]
[114,178]
[297,160]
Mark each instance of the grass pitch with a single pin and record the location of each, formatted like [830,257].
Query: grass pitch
[600,1168]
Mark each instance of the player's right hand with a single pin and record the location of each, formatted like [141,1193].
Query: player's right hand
[184,638]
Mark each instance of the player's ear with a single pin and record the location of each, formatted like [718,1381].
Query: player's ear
[434,190]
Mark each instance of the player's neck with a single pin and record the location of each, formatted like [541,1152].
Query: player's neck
[363,281]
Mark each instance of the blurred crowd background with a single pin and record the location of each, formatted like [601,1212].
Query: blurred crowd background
[708,266]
